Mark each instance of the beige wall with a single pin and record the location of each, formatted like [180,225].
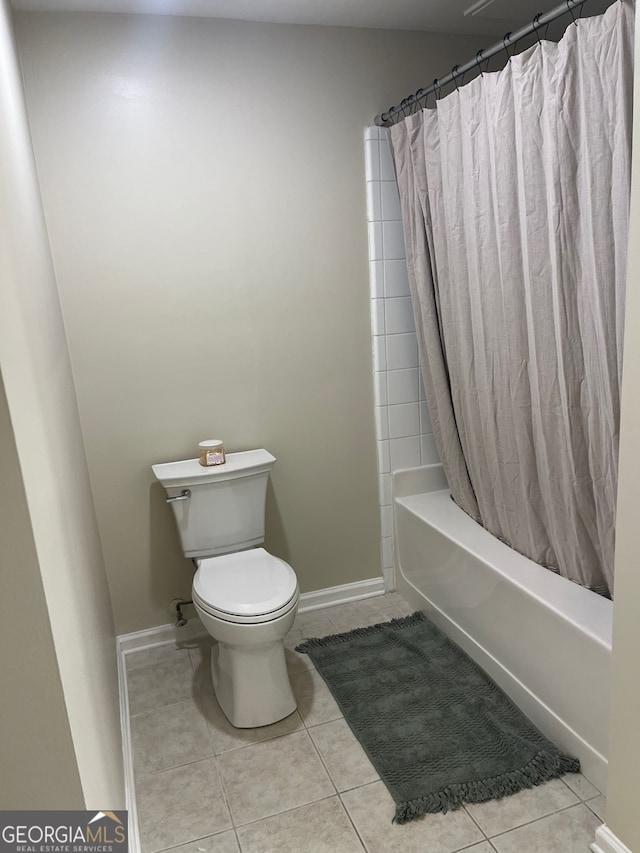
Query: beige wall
[624,745]
[35,739]
[55,491]
[204,189]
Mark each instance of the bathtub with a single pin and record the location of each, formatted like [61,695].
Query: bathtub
[544,640]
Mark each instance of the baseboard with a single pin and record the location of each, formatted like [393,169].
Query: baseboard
[389,578]
[127,753]
[162,634]
[607,842]
[341,594]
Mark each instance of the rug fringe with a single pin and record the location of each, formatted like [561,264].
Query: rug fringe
[369,630]
[542,767]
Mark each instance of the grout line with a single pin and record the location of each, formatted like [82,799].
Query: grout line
[174,767]
[285,811]
[322,761]
[581,798]
[192,840]
[595,797]
[485,836]
[158,708]
[225,794]
[126,653]
[352,823]
[536,820]
[161,708]
[593,811]
[591,799]
[474,844]
[219,755]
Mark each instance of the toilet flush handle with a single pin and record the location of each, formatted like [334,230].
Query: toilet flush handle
[184,495]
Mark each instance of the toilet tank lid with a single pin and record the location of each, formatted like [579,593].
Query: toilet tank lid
[189,472]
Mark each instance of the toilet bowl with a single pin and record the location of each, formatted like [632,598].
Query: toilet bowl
[247,602]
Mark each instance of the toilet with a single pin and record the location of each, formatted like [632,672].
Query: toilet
[246,598]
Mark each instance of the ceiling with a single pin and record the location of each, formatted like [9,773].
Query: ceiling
[451,16]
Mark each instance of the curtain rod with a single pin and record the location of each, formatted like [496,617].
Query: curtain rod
[397,112]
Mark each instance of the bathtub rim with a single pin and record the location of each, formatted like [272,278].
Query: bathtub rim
[590,613]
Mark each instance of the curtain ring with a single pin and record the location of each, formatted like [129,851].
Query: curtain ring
[422,93]
[437,88]
[454,75]
[507,37]
[479,61]
[570,11]
[535,26]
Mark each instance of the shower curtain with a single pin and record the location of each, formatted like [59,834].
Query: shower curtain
[515,196]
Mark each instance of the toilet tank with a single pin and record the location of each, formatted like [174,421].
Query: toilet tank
[225,509]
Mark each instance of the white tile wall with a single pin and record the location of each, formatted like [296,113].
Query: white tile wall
[398,315]
[403,426]
[403,386]
[402,351]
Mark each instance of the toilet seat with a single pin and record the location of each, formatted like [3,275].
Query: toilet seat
[245,587]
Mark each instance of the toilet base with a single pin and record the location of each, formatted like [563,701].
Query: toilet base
[249,669]
[251,684]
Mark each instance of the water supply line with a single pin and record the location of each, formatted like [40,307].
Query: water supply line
[176,605]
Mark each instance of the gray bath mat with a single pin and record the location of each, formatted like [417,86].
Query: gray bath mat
[437,729]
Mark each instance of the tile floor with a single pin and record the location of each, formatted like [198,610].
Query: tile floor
[304,785]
